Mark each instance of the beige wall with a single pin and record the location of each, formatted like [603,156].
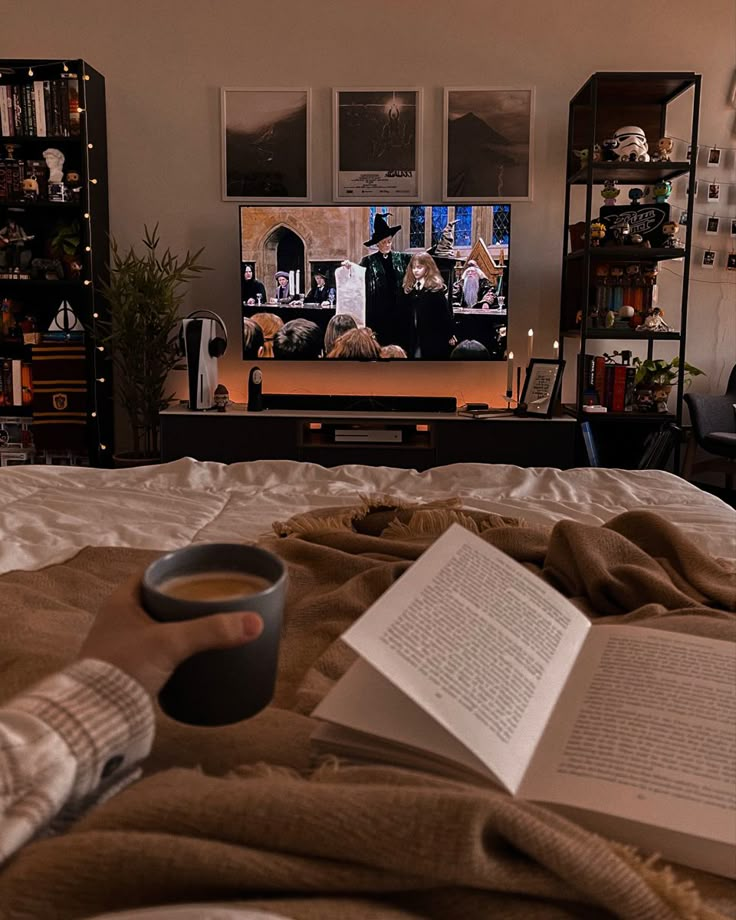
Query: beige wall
[164,62]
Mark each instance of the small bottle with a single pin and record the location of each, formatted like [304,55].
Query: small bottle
[255,396]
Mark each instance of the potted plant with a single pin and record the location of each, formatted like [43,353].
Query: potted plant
[144,294]
[64,246]
[654,380]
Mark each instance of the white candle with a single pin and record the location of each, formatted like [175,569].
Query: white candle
[530,349]
[298,282]
[556,349]
[291,282]
[509,371]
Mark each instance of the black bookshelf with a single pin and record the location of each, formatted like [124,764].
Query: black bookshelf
[81,136]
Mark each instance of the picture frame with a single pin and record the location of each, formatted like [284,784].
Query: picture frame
[542,386]
[714,157]
[711,225]
[488,144]
[266,144]
[714,191]
[377,144]
[709,258]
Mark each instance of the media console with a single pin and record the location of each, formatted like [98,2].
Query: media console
[410,440]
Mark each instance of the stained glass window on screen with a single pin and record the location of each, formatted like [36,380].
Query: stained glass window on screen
[417,227]
[501,224]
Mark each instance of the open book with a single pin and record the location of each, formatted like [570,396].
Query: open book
[474,667]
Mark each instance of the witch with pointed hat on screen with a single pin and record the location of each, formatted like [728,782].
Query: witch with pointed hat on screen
[384,276]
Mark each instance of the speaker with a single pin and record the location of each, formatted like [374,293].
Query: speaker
[341,403]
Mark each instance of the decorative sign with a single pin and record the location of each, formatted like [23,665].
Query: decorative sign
[646,219]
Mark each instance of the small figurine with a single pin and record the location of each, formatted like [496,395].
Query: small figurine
[55,162]
[14,240]
[597,153]
[632,144]
[582,157]
[625,313]
[662,191]
[221,397]
[635,194]
[608,150]
[621,233]
[30,189]
[610,191]
[610,319]
[670,231]
[74,183]
[633,271]
[664,149]
[597,232]
[654,322]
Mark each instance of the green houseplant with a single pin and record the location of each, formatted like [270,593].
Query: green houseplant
[144,293]
[654,380]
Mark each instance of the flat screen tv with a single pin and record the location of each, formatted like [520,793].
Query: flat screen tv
[402,282]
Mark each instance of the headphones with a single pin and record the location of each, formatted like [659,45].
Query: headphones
[217,345]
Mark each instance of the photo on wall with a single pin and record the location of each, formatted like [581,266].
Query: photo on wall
[488,144]
[377,144]
[265,144]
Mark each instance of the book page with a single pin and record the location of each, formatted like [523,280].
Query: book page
[483,645]
[645,730]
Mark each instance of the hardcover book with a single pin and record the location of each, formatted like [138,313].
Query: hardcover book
[474,667]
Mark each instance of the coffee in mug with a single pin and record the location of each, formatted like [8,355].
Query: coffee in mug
[222,686]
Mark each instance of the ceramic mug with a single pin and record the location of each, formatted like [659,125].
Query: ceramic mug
[225,685]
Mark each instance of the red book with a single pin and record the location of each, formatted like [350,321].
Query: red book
[618,388]
[599,382]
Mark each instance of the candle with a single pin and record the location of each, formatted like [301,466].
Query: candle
[556,349]
[509,372]
[291,282]
[298,282]
[530,349]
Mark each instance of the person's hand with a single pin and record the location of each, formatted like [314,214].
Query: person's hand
[125,636]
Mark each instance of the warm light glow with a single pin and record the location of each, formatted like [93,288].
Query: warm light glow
[531,332]
[103,446]
[93,414]
[86,214]
[555,344]
[88,249]
[87,281]
[93,181]
[511,356]
[90,146]
[86,76]
[80,109]
[100,379]
[95,315]
[100,348]
[30,71]
[66,69]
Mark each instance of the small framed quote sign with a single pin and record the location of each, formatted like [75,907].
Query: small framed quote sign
[542,384]
[377,144]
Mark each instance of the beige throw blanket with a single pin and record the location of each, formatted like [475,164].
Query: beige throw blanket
[236,814]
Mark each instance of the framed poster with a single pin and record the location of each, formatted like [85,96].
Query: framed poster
[265,144]
[541,386]
[488,144]
[377,144]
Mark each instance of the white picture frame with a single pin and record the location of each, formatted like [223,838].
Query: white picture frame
[266,144]
[377,144]
[488,144]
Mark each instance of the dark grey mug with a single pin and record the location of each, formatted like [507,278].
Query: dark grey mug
[222,686]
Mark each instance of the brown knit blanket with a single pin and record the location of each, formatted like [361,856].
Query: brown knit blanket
[237,814]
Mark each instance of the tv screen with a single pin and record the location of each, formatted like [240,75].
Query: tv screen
[408,282]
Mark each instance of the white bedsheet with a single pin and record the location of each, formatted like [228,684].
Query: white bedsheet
[48,513]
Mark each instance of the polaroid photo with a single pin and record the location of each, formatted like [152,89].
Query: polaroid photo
[711,225]
[714,191]
[733,226]
[709,258]
[714,157]
[684,219]
[731,262]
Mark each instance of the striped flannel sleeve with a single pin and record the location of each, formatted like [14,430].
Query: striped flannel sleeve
[61,739]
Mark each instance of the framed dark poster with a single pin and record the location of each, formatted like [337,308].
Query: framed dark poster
[488,144]
[265,144]
[377,144]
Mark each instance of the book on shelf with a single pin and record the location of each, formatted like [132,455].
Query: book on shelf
[473,667]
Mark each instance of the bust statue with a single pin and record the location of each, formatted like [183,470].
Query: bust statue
[55,162]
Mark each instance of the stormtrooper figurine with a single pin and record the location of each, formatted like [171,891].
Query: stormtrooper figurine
[631,144]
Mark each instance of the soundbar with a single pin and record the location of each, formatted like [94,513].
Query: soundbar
[369,435]
[312,402]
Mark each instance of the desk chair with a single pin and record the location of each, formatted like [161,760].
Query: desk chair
[714,427]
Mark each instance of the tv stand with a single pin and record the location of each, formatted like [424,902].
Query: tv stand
[408,440]
[316,402]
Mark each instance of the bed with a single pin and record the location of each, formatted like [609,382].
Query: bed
[318,842]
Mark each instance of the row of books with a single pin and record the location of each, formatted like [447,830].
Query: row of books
[12,176]
[42,108]
[610,385]
[16,383]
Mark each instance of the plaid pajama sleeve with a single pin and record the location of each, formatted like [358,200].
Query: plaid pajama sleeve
[64,742]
